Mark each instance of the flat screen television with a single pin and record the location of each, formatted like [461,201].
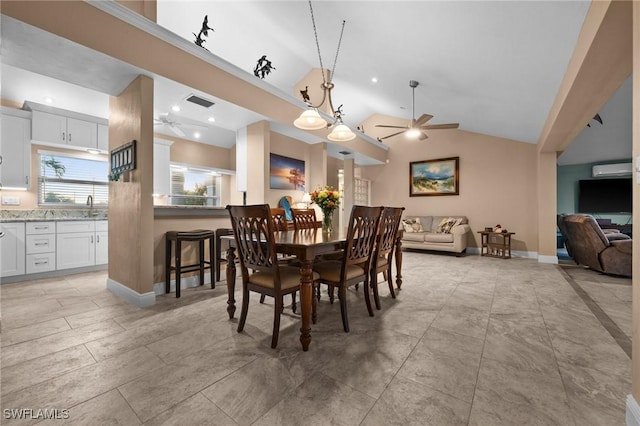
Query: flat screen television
[605,196]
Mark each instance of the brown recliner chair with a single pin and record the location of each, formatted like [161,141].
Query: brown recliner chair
[591,247]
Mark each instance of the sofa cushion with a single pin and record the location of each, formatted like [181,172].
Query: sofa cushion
[438,238]
[414,236]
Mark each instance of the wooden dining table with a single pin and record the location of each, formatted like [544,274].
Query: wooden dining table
[305,244]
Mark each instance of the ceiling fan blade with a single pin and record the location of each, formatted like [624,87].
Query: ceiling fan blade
[386,126]
[178,131]
[423,136]
[390,136]
[423,119]
[442,126]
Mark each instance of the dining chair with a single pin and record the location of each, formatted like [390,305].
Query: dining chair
[253,231]
[304,219]
[355,266]
[279,219]
[385,247]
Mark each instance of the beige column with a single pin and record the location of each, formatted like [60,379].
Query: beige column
[258,148]
[349,190]
[635,373]
[317,166]
[130,199]
[547,189]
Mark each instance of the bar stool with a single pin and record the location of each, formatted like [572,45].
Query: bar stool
[199,235]
[219,259]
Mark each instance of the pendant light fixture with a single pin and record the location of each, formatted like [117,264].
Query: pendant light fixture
[311,118]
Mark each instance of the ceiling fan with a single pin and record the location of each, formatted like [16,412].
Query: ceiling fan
[416,129]
[174,125]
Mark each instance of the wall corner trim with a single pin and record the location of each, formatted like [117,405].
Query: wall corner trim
[633,412]
[548,259]
[140,300]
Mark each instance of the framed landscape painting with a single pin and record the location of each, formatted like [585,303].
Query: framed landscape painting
[286,173]
[434,177]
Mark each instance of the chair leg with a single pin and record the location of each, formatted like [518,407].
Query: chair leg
[342,295]
[390,282]
[178,266]
[201,260]
[330,290]
[276,321]
[294,307]
[374,285]
[245,308]
[367,297]
[262,296]
[167,270]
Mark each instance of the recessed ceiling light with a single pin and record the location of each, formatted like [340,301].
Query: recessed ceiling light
[211,120]
[374,79]
[48,99]
[196,135]
[175,108]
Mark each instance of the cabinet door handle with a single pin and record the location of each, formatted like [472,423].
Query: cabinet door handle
[43,262]
[69,137]
[63,136]
[98,239]
[1,234]
[92,239]
[42,244]
[26,180]
[0,159]
[41,227]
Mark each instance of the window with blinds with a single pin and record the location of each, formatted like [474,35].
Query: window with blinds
[362,192]
[68,180]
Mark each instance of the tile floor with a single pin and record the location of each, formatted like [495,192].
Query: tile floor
[468,341]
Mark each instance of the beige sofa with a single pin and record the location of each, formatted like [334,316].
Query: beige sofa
[426,233]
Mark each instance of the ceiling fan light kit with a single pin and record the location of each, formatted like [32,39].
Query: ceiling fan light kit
[416,128]
[311,119]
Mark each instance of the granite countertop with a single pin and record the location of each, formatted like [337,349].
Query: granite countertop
[51,215]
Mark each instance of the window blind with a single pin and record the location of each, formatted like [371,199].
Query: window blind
[67,180]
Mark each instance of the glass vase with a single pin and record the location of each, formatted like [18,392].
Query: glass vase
[327,221]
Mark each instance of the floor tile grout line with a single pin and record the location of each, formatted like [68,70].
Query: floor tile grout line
[117,389]
[605,320]
[218,407]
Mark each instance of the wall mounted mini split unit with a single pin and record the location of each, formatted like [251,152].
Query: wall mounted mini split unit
[606,170]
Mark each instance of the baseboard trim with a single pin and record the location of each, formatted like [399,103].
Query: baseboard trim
[186,282]
[140,300]
[524,254]
[632,412]
[548,259]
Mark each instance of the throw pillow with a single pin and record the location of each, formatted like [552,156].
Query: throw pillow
[412,225]
[447,223]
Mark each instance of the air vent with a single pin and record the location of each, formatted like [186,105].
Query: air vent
[199,101]
[344,152]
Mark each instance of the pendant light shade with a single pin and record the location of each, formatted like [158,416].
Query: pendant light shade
[341,133]
[310,120]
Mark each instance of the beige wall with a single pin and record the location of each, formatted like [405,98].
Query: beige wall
[497,182]
[198,154]
[288,147]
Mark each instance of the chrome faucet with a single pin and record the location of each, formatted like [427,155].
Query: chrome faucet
[90,204]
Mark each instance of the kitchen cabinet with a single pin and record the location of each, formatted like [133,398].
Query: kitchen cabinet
[40,247]
[77,244]
[12,249]
[103,137]
[58,129]
[102,243]
[15,149]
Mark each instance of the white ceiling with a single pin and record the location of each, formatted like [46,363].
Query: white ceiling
[494,67]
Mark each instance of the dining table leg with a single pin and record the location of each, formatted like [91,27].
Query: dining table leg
[231,281]
[398,263]
[306,293]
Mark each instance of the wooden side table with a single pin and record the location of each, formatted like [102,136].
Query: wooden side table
[496,244]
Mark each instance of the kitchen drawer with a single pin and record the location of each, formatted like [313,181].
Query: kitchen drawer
[41,262]
[76,226]
[44,243]
[34,228]
[102,225]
